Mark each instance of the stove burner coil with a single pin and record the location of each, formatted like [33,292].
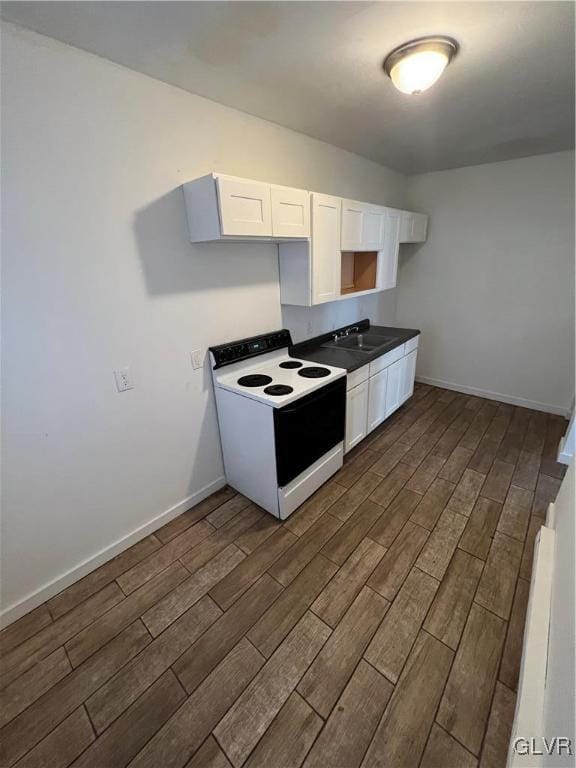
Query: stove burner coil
[314,372]
[291,364]
[254,380]
[278,390]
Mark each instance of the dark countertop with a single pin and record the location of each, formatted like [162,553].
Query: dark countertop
[312,349]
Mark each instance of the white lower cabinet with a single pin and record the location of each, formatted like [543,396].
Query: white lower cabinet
[375,392]
[377,399]
[408,375]
[393,400]
[356,415]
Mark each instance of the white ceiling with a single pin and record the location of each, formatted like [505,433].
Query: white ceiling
[316,67]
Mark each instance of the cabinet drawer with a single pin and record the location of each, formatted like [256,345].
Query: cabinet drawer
[358,376]
[383,362]
[411,345]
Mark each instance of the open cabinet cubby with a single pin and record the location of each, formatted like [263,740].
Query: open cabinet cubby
[359,271]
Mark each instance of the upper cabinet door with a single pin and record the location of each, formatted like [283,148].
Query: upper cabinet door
[373,228]
[245,207]
[405,226]
[413,227]
[418,228]
[352,225]
[388,262]
[290,212]
[326,258]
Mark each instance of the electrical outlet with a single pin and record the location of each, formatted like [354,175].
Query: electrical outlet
[197,356]
[123,379]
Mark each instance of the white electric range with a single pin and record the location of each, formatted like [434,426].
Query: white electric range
[281,420]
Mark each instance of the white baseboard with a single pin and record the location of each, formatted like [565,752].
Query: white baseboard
[565,455]
[34,599]
[511,400]
[566,448]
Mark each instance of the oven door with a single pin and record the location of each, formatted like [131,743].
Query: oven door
[307,429]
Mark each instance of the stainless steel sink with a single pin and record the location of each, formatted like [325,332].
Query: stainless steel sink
[359,342]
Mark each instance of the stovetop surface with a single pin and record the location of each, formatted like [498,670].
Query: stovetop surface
[270,373]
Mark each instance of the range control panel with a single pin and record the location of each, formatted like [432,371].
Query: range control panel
[225,354]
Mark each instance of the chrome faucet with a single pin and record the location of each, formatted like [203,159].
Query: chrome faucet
[347,332]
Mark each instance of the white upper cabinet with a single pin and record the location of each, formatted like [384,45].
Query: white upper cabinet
[326,259]
[329,248]
[223,207]
[413,227]
[290,212]
[352,225]
[418,227]
[245,207]
[388,259]
[373,227]
[311,270]
[362,226]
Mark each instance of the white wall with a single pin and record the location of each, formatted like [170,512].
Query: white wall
[493,287]
[98,274]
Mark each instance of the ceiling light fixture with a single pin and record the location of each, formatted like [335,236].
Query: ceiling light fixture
[415,66]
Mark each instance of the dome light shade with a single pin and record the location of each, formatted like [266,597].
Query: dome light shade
[415,66]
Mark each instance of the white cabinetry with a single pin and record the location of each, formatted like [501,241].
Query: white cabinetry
[413,227]
[393,400]
[408,376]
[223,207]
[244,207]
[326,274]
[373,228]
[310,271]
[329,248]
[363,226]
[388,257]
[352,225]
[376,390]
[377,386]
[290,212]
[356,415]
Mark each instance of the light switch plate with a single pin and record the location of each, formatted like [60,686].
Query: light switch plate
[197,356]
[123,379]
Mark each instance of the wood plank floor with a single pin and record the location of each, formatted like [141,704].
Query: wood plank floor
[381,625]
